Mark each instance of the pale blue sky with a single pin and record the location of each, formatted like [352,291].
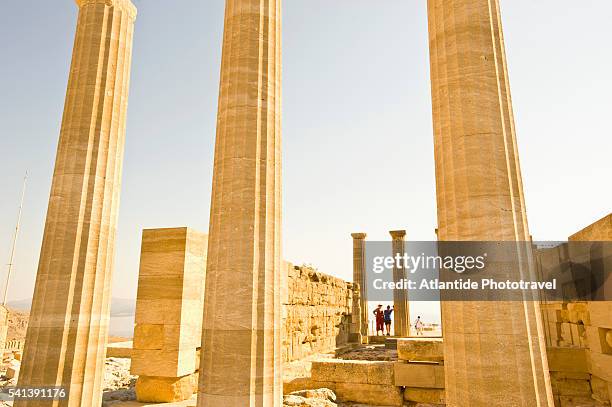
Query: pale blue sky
[358,151]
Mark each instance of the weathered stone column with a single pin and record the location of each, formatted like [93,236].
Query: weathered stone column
[494,351]
[68,329]
[169,308]
[355,334]
[241,354]
[359,277]
[401,307]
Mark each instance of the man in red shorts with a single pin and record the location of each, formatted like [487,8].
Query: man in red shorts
[380,319]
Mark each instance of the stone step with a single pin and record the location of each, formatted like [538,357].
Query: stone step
[391,343]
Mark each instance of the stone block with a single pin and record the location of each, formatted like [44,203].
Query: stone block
[149,336]
[299,383]
[600,389]
[370,394]
[579,401]
[12,371]
[600,230]
[571,387]
[340,371]
[163,363]
[594,339]
[419,395]
[380,373]
[569,375]
[601,365]
[169,304]
[314,384]
[420,349]
[119,350]
[567,360]
[166,389]
[419,375]
[600,313]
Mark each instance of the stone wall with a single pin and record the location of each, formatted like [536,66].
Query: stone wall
[316,312]
[417,376]
[579,334]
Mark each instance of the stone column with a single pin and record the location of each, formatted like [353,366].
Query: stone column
[401,307]
[241,353]
[169,308]
[68,329]
[494,351]
[355,334]
[359,277]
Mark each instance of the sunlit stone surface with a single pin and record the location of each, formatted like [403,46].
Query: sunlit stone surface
[494,352]
[241,354]
[68,329]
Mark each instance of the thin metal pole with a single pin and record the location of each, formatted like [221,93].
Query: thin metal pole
[10,264]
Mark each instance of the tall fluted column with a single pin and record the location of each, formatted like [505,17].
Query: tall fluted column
[359,277]
[68,329]
[241,357]
[401,307]
[494,351]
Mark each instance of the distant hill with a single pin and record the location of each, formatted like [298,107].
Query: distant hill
[20,305]
[120,307]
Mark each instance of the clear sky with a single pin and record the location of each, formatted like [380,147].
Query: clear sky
[357,134]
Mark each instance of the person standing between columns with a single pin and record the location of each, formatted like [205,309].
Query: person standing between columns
[241,331]
[480,198]
[401,306]
[387,314]
[380,319]
[66,338]
[359,277]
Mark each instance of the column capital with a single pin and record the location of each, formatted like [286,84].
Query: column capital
[125,5]
[358,236]
[397,234]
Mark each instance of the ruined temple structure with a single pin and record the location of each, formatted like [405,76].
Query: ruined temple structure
[316,312]
[492,354]
[579,333]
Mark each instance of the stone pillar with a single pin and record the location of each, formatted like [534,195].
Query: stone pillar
[494,351]
[356,326]
[241,353]
[359,277]
[68,329]
[169,308]
[401,307]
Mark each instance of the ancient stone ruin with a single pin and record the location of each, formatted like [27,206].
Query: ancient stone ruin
[168,323]
[235,328]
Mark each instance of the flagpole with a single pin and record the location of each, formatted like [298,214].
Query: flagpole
[12,257]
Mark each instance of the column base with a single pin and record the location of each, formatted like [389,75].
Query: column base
[154,389]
